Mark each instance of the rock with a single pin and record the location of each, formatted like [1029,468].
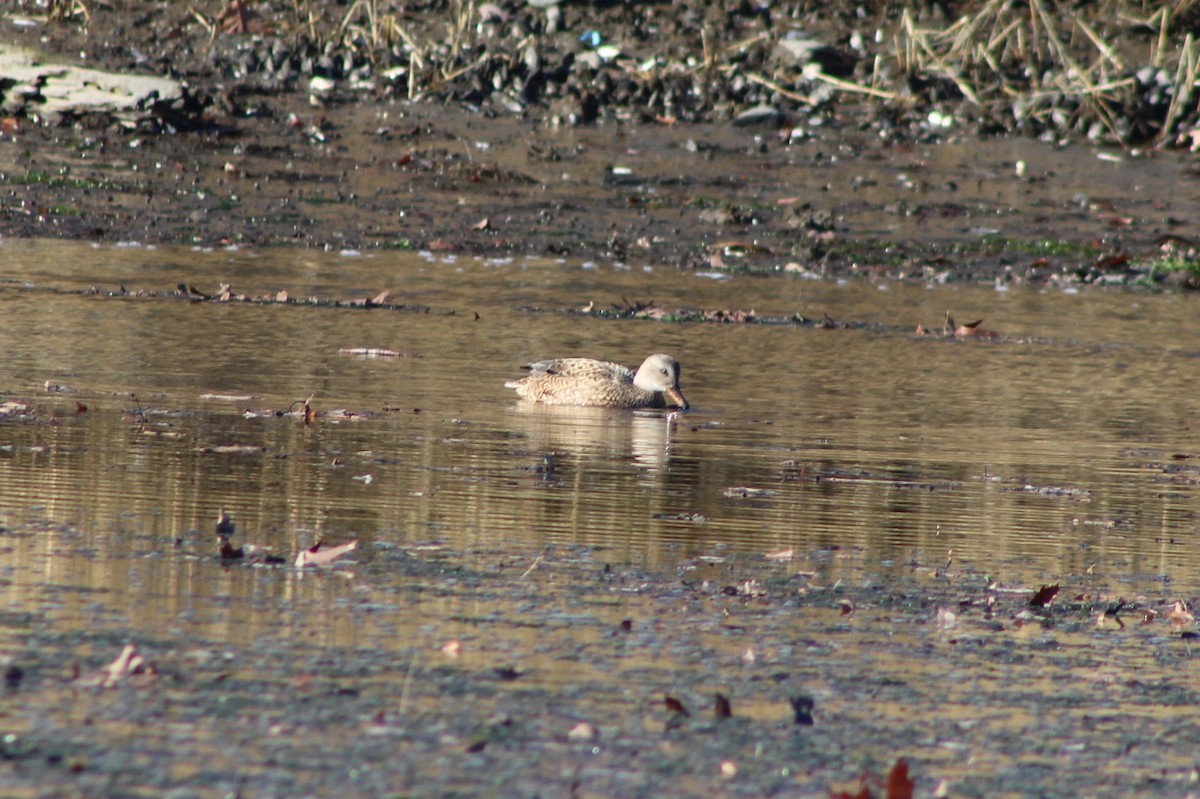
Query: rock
[52,91]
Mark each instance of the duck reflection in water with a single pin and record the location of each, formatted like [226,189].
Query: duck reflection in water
[598,435]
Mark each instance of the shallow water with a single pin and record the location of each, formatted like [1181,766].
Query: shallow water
[1052,453]
[1063,453]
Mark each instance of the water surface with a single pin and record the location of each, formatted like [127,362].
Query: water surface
[1063,447]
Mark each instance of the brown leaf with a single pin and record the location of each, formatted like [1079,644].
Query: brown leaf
[238,18]
[228,551]
[721,707]
[899,786]
[973,330]
[319,555]
[1180,614]
[1044,596]
[863,792]
[675,706]
[128,664]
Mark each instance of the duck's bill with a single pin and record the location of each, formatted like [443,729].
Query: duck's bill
[676,396]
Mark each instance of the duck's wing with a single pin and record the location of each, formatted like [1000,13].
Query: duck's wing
[582,369]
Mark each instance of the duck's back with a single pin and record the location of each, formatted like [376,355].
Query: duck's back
[581,381]
[583,369]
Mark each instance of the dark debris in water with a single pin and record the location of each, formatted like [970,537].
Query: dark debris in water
[821,695]
[650,310]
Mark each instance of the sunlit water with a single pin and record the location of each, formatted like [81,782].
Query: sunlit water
[1065,450]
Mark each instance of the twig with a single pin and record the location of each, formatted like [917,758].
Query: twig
[412,665]
[532,566]
[754,77]
[847,86]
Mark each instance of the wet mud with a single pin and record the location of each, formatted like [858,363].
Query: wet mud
[558,672]
[255,154]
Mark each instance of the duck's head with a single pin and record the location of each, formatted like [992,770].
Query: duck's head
[660,373]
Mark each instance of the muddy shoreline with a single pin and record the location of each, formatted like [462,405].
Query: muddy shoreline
[813,653]
[259,155]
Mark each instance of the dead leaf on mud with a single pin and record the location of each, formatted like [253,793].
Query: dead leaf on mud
[233,449]
[320,555]
[1180,614]
[581,732]
[897,786]
[225,527]
[372,352]
[973,330]
[227,397]
[737,315]
[227,551]
[802,707]
[1044,596]
[129,665]
[483,224]
[1112,616]
[238,18]
[721,706]
[963,331]
[747,492]
[13,408]
[674,705]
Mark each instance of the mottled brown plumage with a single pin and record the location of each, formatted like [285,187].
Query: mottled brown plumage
[586,381]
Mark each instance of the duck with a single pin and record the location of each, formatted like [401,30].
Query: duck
[592,382]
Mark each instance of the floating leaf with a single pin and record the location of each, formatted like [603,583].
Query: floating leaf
[1044,596]
[1180,614]
[675,706]
[319,555]
[128,665]
[581,732]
